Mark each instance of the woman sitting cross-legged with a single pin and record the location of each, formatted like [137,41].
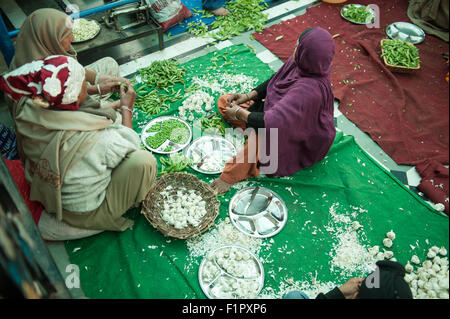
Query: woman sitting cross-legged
[294,107]
[82,166]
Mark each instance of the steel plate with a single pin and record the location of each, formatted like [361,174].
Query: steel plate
[161,149]
[210,153]
[263,217]
[405,31]
[344,8]
[216,282]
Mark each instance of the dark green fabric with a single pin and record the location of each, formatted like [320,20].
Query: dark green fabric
[124,265]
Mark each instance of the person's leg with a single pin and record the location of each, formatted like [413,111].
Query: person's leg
[295,294]
[130,184]
[216,7]
[243,166]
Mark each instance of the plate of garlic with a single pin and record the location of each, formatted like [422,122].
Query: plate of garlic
[258,212]
[231,272]
[84,30]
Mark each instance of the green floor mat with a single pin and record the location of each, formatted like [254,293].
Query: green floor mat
[322,201]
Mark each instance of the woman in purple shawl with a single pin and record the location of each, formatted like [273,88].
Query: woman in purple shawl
[295,106]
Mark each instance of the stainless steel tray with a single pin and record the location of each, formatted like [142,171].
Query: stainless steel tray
[258,212]
[344,8]
[210,153]
[217,282]
[96,34]
[405,31]
[161,149]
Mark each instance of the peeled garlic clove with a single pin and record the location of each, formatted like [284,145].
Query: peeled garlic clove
[387,242]
[442,251]
[390,235]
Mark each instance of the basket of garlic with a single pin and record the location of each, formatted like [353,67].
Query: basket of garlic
[180,205]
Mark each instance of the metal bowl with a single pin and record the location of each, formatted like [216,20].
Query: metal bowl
[213,288]
[344,8]
[210,149]
[258,212]
[164,145]
[405,31]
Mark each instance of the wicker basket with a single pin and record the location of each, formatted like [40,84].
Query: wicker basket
[153,204]
[397,68]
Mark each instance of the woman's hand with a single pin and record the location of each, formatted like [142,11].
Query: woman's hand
[110,84]
[230,111]
[128,96]
[351,288]
[238,98]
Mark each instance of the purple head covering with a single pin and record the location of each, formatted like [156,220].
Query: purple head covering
[300,104]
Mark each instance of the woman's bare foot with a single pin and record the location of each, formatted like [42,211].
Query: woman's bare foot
[219,186]
[220,12]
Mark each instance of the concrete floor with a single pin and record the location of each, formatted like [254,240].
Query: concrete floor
[185,48]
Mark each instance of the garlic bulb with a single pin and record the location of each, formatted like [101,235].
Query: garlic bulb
[415,260]
[387,242]
[409,268]
[431,254]
[390,235]
[388,254]
[374,250]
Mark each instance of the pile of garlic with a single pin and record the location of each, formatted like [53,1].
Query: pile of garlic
[235,262]
[388,241]
[83,29]
[194,103]
[182,208]
[430,281]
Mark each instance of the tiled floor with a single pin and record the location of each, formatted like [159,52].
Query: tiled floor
[188,48]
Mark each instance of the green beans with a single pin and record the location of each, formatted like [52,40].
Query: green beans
[172,130]
[214,122]
[175,163]
[163,74]
[357,14]
[244,15]
[400,53]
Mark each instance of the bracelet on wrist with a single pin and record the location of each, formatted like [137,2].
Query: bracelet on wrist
[235,114]
[248,96]
[126,108]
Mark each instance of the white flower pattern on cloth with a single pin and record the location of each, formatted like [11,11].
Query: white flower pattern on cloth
[74,81]
[52,86]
